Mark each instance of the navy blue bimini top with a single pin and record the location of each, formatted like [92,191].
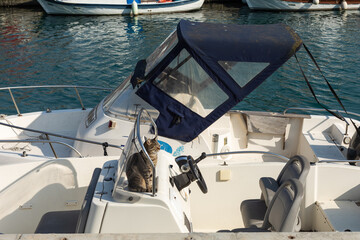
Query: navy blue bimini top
[208,69]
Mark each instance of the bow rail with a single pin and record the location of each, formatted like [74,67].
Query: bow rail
[75,87]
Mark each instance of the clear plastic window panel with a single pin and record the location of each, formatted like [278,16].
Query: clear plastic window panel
[243,72]
[185,81]
[161,52]
[131,148]
[123,103]
[109,100]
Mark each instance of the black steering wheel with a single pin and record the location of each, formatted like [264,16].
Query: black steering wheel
[196,174]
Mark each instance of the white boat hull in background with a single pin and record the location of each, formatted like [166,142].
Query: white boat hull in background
[115,7]
[279,5]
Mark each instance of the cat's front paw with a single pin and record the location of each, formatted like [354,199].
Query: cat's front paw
[138,189]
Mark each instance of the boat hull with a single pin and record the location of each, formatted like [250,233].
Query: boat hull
[114,8]
[280,5]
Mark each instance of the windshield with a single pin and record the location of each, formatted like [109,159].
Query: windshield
[124,103]
[243,72]
[186,81]
[159,53]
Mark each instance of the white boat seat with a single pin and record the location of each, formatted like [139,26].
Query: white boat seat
[297,167]
[253,210]
[268,187]
[58,222]
[283,210]
[73,221]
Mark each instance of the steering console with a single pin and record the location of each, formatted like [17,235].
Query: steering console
[190,173]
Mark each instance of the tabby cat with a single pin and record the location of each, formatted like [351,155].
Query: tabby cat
[139,171]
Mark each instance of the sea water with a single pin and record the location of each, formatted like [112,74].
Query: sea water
[41,49]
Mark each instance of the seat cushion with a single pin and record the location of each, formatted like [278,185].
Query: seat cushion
[253,212]
[58,222]
[70,221]
[268,187]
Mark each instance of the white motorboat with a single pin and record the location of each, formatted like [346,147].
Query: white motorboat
[118,7]
[303,5]
[64,171]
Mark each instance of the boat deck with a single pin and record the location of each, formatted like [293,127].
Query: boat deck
[339,216]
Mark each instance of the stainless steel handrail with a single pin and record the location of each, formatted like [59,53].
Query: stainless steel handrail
[248,152]
[54,86]
[338,161]
[76,87]
[320,110]
[138,136]
[62,136]
[44,141]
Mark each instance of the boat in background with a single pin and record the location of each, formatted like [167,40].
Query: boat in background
[118,7]
[303,5]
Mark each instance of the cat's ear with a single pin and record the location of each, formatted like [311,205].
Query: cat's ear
[156,138]
[147,140]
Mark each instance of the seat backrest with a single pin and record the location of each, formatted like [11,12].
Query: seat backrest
[85,208]
[283,210]
[297,167]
